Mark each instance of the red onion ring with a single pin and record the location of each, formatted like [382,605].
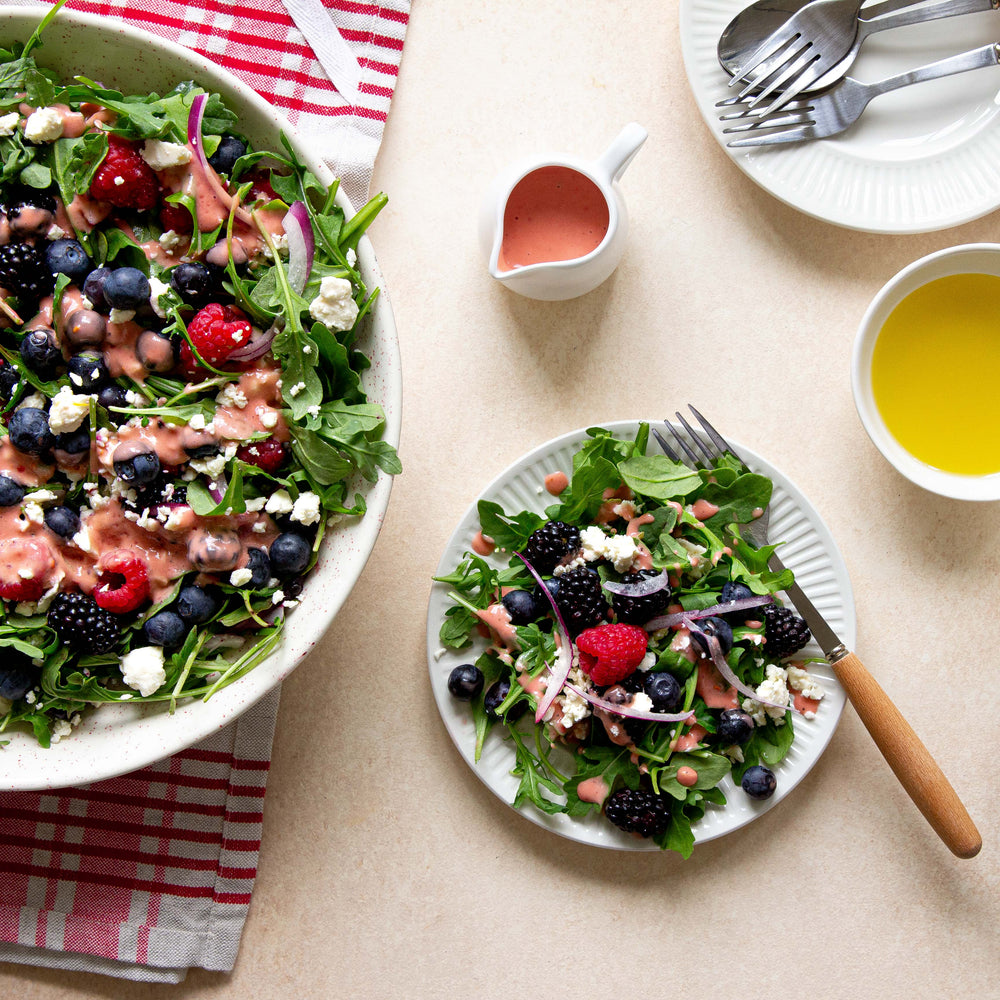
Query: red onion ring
[564,651]
[625,710]
[195,116]
[257,346]
[682,617]
[645,587]
[722,665]
[301,245]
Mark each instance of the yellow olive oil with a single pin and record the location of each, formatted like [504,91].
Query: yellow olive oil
[936,373]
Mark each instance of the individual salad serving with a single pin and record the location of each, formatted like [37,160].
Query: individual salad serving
[183,415]
[628,644]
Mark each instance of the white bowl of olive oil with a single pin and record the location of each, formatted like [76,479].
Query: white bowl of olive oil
[926,371]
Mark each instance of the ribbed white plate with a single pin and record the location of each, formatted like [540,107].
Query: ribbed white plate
[809,551]
[923,158]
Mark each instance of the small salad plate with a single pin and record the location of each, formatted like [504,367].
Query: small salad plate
[810,552]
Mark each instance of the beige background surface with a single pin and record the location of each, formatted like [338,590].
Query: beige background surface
[388,869]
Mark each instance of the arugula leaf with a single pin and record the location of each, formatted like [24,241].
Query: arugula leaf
[659,478]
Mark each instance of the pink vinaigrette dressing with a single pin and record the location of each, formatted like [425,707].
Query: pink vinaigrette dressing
[552,214]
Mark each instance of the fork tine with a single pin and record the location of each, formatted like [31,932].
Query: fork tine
[793,107]
[772,138]
[769,49]
[697,440]
[792,81]
[717,439]
[684,446]
[751,123]
[782,63]
[667,450]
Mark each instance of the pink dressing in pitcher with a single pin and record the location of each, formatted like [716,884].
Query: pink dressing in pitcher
[553,213]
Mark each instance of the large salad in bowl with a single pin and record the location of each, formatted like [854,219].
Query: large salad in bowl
[184,415]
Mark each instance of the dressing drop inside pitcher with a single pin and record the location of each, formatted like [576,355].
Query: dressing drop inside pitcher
[555,227]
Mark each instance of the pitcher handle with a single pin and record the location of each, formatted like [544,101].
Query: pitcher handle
[612,163]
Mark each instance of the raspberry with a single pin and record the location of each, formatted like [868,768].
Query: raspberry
[17,557]
[122,581]
[216,331]
[267,455]
[124,178]
[81,624]
[176,218]
[609,653]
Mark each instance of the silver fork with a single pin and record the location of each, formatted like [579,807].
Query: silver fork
[837,108]
[798,53]
[909,759]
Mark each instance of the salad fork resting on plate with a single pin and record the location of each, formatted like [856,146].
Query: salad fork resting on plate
[837,108]
[909,759]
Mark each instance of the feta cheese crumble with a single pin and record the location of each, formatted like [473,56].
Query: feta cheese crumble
[306,509]
[8,123]
[334,307]
[43,125]
[617,549]
[68,410]
[142,669]
[162,155]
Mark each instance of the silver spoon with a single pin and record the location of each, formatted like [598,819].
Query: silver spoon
[743,34]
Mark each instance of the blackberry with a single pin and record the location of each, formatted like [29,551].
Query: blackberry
[638,610]
[784,631]
[549,544]
[24,273]
[636,811]
[22,196]
[580,599]
[80,623]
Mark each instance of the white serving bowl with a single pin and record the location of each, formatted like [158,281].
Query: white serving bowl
[970,258]
[117,739]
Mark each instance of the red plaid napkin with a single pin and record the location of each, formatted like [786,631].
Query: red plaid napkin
[150,874]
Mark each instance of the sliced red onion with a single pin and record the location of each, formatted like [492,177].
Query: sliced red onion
[301,244]
[722,665]
[681,617]
[625,710]
[645,587]
[195,116]
[564,650]
[257,346]
[215,492]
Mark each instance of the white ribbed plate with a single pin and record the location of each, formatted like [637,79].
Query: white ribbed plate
[923,158]
[810,552]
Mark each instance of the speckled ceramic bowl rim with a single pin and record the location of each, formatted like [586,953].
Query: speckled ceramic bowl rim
[963,259]
[118,739]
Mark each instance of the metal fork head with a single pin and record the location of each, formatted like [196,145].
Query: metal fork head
[701,451]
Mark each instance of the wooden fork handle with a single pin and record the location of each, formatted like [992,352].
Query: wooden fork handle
[913,765]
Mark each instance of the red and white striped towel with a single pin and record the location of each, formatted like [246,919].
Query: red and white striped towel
[150,874]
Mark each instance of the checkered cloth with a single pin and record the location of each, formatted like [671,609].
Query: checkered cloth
[147,875]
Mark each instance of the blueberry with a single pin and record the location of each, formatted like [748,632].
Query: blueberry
[68,257]
[126,288]
[196,605]
[87,372]
[259,565]
[495,696]
[664,691]
[18,675]
[113,395]
[733,591]
[64,521]
[718,627]
[759,782]
[85,328]
[11,492]
[74,443]
[29,430]
[552,586]
[9,379]
[155,352]
[196,283]
[137,470]
[93,288]
[229,150]
[522,607]
[465,682]
[166,629]
[290,554]
[735,726]
[40,352]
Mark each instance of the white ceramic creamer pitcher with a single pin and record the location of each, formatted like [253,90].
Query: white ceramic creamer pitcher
[555,227]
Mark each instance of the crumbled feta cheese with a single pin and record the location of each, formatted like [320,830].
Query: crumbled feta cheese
[269,419]
[120,315]
[31,697]
[162,155]
[8,123]
[68,410]
[802,681]
[156,289]
[170,240]
[352,257]
[35,513]
[61,728]
[280,241]
[142,669]
[279,502]
[334,307]
[43,125]
[297,388]
[239,577]
[617,549]
[258,528]
[82,539]
[306,508]
[119,181]
[197,422]
[175,520]
[55,232]
[232,395]
[277,597]
[255,504]
[35,401]
[773,688]
[213,466]
[641,702]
